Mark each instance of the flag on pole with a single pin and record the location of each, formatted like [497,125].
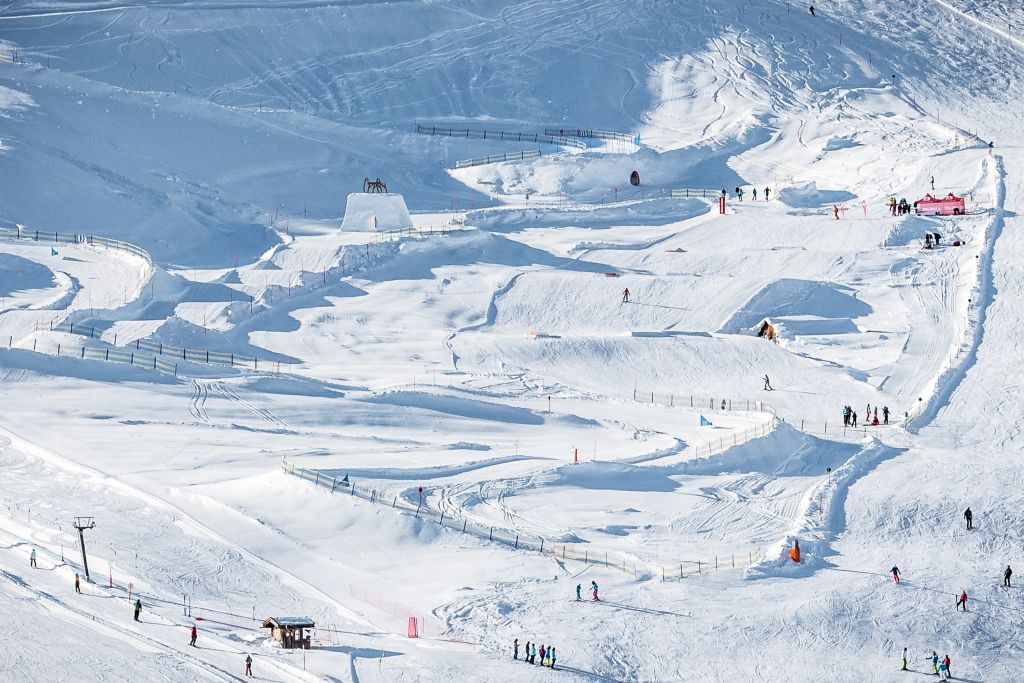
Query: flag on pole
[704,422]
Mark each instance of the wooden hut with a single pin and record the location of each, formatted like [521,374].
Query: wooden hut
[290,631]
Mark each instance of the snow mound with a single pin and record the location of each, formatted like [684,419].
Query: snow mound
[365,212]
[808,196]
[825,301]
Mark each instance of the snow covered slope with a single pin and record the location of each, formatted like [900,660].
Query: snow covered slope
[456,414]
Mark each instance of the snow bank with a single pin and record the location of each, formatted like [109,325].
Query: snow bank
[808,196]
[365,212]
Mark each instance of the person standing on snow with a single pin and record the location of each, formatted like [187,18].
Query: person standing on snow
[949,671]
[739,193]
[533,653]
[895,571]
[904,668]
[962,601]
[943,672]
[835,211]
[767,384]
[933,182]
[1006,576]
[78,584]
[625,295]
[846,416]
[579,590]
[812,10]
[526,653]
[754,190]
[766,191]
[969,516]
[853,419]
[542,655]
[138,608]
[248,665]
[195,634]
[885,414]
[515,649]
[32,559]
[593,588]
[551,656]
[935,661]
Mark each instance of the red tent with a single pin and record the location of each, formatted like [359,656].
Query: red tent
[950,205]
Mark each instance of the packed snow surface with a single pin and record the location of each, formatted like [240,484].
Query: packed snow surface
[276,395]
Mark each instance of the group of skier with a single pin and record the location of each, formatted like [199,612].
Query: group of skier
[941,666]
[548,656]
[593,590]
[850,416]
[901,208]
[739,193]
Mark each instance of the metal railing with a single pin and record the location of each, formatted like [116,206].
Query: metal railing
[44,236]
[501,135]
[498,158]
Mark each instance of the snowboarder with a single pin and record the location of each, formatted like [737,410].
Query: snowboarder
[935,661]
[969,516]
[835,211]
[853,419]
[593,588]
[754,190]
[766,191]
[138,608]
[551,656]
[895,573]
[195,634]
[32,558]
[962,601]
[885,414]
[767,384]
[515,649]
[526,653]
[1006,576]
[248,665]
[625,295]
[949,671]
[904,660]
[542,662]
[812,10]
[78,584]
[579,590]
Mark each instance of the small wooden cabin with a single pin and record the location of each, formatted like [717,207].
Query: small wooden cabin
[290,631]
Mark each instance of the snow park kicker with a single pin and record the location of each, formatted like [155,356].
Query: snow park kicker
[419,419]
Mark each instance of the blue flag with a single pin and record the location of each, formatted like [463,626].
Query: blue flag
[704,422]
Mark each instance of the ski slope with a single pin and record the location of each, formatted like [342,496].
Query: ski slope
[481,363]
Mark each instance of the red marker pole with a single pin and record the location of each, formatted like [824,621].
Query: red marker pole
[576,455]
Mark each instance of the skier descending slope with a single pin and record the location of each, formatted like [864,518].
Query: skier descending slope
[895,573]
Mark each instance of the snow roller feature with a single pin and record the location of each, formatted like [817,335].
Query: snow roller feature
[375,209]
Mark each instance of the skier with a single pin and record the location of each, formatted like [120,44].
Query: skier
[625,295]
[767,384]
[542,663]
[885,414]
[835,211]
[895,573]
[892,205]
[551,656]
[812,10]
[533,654]
[593,587]
[754,190]
[579,589]
[969,516]
[962,600]
[949,671]
[943,672]
[195,635]
[32,558]
[526,653]
[1006,576]
[78,583]
[766,191]
[248,665]
[904,660]
[138,608]
[935,661]
[853,419]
